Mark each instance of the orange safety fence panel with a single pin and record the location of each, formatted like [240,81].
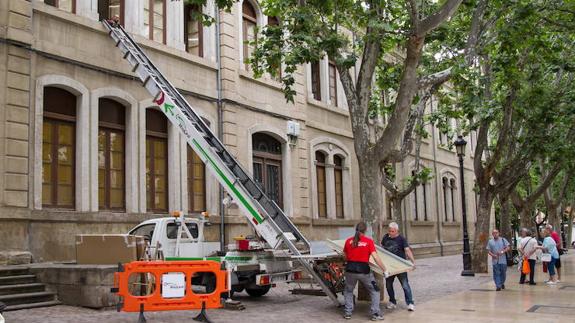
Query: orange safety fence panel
[170,285]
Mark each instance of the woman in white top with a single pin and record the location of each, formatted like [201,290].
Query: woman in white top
[550,247]
[528,249]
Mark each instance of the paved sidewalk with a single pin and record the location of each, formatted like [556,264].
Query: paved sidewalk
[517,303]
[440,293]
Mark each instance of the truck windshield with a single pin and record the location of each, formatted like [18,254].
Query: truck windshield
[146,230]
[172,230]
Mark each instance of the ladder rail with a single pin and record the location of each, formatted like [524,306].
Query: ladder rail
[269,204]
[197,135]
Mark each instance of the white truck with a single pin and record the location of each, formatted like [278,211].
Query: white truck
[252,266]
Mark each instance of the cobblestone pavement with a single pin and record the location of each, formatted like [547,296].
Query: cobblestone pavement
[433,278]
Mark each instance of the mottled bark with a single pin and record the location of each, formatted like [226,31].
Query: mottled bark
[398,213]
[370,191]
[553,217]
[505,227]
[479,253]
[527,217]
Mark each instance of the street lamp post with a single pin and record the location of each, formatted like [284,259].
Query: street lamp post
[460,144]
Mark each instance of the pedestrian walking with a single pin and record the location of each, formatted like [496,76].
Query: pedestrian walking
[527,249]
[358,249]
[557,238]
[397,244]
[550,255]
[497,249]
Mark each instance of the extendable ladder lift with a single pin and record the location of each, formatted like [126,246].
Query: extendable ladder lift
[263,213]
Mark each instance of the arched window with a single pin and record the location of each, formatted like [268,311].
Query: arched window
[156,161]
[338,174]
[321,184]
[108,9]
[58,148]
[66,5]
[193,30]
[267,165]
[452,189]
[111,155]
[416,209]
[249,25]
[476,196]
[155,20]
[445,186]
[274,21]
[196,181]
[424,189]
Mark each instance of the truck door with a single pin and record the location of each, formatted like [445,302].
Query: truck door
[187,248]
[146,231]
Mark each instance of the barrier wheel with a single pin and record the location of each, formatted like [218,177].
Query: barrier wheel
[258,292]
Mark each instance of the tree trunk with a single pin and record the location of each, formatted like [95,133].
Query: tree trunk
[397,212]
[479,253]
[553,217]
[370,192]
[505,227]
[527,220]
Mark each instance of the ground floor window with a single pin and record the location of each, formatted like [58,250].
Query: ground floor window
[196,182]
[267,165]
[156,161]
[321,184]
[58,148]
[111,155]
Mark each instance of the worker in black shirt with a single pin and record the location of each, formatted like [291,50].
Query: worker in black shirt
[397,244]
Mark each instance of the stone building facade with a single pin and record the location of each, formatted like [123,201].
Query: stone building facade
[83,149]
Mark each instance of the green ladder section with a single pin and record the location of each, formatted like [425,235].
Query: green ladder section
[264,214]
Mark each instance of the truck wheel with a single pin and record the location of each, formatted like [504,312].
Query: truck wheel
[258,292]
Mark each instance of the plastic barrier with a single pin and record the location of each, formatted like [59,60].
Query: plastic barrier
[170,285]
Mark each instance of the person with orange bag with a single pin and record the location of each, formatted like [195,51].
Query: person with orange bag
[527,248]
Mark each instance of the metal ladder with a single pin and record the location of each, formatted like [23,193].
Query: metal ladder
[263,213]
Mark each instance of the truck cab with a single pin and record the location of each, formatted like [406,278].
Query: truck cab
[162,233]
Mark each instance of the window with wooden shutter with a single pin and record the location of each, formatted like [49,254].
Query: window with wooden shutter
[275,23]
[155,20]
[416,209]
[267,165]
[338,176]
[108,9]
[315,80]
[321,184]
[156,161]
[332,83]
[452,188]
[59,148]
[193,30]
[66,5]
[445,184]
[249,25]
[111,155]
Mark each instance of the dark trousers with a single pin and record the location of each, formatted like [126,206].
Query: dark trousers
[404,284]
[531,272]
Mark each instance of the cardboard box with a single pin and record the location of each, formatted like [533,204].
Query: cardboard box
[104,249]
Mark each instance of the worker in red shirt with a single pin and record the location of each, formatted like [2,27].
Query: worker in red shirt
[358,249]
[557,240]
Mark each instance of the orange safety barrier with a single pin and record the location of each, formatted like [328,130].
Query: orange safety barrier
[170,285]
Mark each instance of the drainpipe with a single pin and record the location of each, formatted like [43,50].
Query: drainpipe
[220,123]
[434,144]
